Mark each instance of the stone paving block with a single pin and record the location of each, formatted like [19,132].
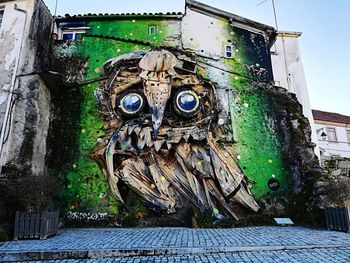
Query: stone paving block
[182,245]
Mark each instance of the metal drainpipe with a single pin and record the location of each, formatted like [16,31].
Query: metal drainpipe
[285,64]
[12,87]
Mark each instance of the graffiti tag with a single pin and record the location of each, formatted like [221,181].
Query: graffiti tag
[86,216]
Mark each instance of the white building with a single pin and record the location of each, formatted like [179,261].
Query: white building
[288,73]
[333,131]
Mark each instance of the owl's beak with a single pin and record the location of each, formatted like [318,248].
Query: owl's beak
[157,118]
[157,71]
[157,98]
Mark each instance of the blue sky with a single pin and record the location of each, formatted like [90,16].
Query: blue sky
[324,44]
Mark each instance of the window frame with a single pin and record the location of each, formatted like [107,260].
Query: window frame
[231,51]
[335,134]
[150,27]
[348,135]
[74,34]
[2,9]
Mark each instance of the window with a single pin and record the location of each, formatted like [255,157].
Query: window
[152,30]
[70,35]
[2,9]
[332,136]
[229,51]
[348,135]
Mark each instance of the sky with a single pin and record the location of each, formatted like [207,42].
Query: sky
[324,44]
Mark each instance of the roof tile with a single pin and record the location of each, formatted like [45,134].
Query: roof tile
[330,116]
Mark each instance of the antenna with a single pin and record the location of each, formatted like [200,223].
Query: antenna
[56,8]
[274,10]
[274,13]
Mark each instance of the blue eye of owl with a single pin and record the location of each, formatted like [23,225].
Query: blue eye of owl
[131,103]
[187,101]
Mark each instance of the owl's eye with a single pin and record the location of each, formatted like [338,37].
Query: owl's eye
[187,102]
[131,103]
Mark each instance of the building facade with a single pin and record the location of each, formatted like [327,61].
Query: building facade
[25,27]
[175,111]
[333,131]
[264,124]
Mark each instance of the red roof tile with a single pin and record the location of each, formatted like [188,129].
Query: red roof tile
[330,116]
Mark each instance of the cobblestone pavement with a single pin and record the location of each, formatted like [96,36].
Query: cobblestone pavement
[132,238]
[304,255]
[252,244]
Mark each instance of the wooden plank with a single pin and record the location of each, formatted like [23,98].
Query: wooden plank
[347,216]
[43,225]
[16,227]
[328,219]
[57,215]
[26,225]
[32,226]
[37,225]
[341,212]
[193,182]
[21,225]
[135,174]
[111,176]
[217,195]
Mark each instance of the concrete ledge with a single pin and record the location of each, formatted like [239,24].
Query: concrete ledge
[15,256]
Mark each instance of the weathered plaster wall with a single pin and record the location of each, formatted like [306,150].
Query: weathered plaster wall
[26,37]
[11,33]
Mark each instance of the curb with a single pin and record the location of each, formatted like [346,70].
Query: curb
[15,256]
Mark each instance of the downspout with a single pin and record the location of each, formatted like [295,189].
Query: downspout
[12,86]
[286,65]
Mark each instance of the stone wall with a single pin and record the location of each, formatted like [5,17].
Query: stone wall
[334,188]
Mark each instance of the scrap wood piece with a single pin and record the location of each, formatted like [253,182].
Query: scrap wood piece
[183,150]
[217,195]
[111,176]
[161,182]
[223,161]
[156,61]
[143,186]
[243,197]
[199,162]
[174,173]
[113,124]
[228,182]
[158,144]
[99,157]
[120,88]
[193,182]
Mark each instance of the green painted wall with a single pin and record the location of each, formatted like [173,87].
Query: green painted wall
[259,151]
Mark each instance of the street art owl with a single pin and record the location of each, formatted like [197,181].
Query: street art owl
[164,136]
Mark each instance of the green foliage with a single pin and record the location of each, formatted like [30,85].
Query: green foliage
[202,219]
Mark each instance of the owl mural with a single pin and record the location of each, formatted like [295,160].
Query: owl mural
[164,136]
